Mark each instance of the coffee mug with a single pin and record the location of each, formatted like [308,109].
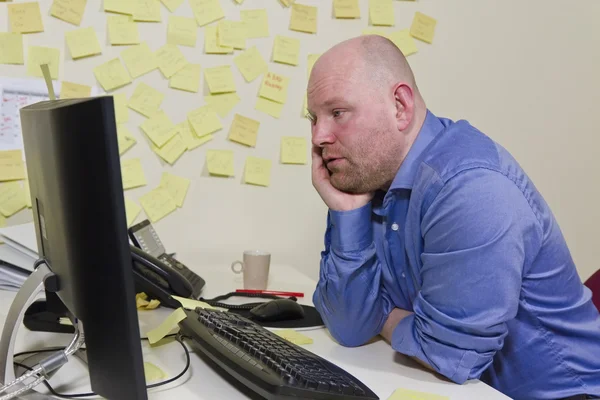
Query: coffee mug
[255,268]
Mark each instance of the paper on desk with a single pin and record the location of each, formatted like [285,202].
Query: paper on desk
[244,130]
[211,46]
[270,107]
[206,11]
[146,100]
[169,324]
[147,11]
[122,30]
[152,372]
[11,48]
[70,90]
[120,6]
[256,23]
[170,60]
[125,139]
[303,19]
[274,87]
[204,121]
[12,166]
[27,191]
[220,79]
[251,64]
[158,203]
[132,173]
[293,150]
[231,34]
[173,149]
[172,5]
[159,128]
[177,186]
[222,103]
[191,140]
[405,394]
[139,59]
[12,198]
[132,210]
[37,56]
[220,162]
[292,336]
[25,17]
[142,302]
[187,78]
[423,27]
[112,75]
[21,238]
[83,43]
[191,304]
[404,41]
[286,50]
[346,9]
[257,171]
[70,11]
[182,31]
[381,12]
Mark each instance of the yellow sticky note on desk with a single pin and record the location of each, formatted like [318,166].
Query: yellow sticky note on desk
[219,79]
[120,6]
[12,166]
[251,64]
[220,162]
[423,27]
[381,12]
[173,149]
[346,9]
[27,191]
[257,171]
[206,11]
[11,48]
[112,75]
[292,336]
[222,103]
[187,78]
[122,30]
[125,139]
[172,5]
[204,121]
[270,107]
[70,11]
[404,41]
[170,60]
[286,50]
[256,23]
[405,394]
[182,31]
[157,204]
[121,110]
[293,150]
[147,11]
[146,100]
[303,19]
[189,137]
[166,326]
[70,90]
[231,34]
[287,3]
[42,55]
[132,173]
[132,210]
[12,198]
[151,372]
[25,17]
[139,59]
[177,186]
[311,59]
[83,43]
[274,87]
[159,128]
[211,45]
[244,130]
[191,304]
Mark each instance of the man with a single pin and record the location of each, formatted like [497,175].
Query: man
[437,240]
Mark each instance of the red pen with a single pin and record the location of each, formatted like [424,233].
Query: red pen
[273,292]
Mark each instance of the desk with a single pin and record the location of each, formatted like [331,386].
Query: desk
[375,364]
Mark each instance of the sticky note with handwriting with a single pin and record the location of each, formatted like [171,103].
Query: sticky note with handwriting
[146,100]
[381,12]
[173,149]
[257,171]
[303,19]
[25,17]
[159,128]
[169,324]
[125,139]
[231,34]
[293,336]
[311,59]
[157,204]
[256,23]
[70,11]
[222,103]
[132,173]
[172,5]
[187,78]
[206,11]
[170,60]
[177,186]
[122,30]
[121,111]
[346,9]
[83,43]
[11,48]
[139,59]
[112,75]
[405,394]
[70,90]
[244,130]
[182,31]
[147,11]
[404,41]
[12,198]
[220,79]
[204,121]
[211,45]
[220,162]
[274,87]
[286,50]
[37,56]
[126,7]
[423,27]
[12,166]
[189,137]
[251,64]
[293,150]
[270,107]
[132,210]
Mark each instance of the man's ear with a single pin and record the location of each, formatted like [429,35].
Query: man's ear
[405,105]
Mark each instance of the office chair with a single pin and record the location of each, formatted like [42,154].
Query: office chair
[593,283]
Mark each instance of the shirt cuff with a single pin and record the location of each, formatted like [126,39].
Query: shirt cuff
[351,230]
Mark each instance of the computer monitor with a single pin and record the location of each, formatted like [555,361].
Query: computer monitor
[74,174]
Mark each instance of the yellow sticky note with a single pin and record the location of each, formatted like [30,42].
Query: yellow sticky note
[170,60]
[244,130]
[191,304]
[27,192]
[139,59]
[219,79]
[121,111]
[166,326]
[120,6]
[11,48]
[405,394]
[274,87]
[374,31]
[256,23]
[404,41]
[159,128]
[146,100]
[70,90]
[286,50]
[423,27]
[346,9]
[191,140]
[381,12]
[132,210]
[220,162]
[48,80]
[132,173]
[311,59]
[251,64]
[257,171]
[177,186]
[42,55]
[187,78]
[112,75]
[172,5]
[151,372]
[70,11]
[303,19]
[25,17]
[270,107]
[206,11]
[12,198]
[222,103]
[83,43]
[287,3]
[12,166]
[173,149]
[293,336]
[204,121]
[122,30]
[293,150]
[125,139]
[147,11]
[231,34]
[211,46]
[157,204]
[182,31]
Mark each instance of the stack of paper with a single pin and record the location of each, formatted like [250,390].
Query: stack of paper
[17,255]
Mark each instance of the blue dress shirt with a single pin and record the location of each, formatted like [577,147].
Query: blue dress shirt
[464,240]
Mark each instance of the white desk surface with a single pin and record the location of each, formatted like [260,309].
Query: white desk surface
[375,364]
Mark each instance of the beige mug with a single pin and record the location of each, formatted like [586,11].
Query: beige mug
[255,268]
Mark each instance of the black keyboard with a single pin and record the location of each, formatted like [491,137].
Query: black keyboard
[266,363]
[196,281]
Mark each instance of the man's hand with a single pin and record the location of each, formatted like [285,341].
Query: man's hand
[334,199]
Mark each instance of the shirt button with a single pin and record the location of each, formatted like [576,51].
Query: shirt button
[395,226]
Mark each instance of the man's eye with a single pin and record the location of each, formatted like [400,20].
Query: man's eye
[337,113]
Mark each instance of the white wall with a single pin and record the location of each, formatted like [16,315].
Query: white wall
[524,72]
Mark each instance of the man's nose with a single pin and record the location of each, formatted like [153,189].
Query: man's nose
[322,135]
